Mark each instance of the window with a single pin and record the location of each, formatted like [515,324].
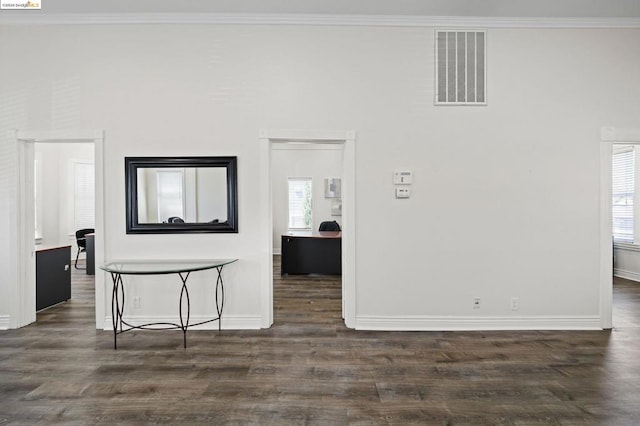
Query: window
[623,194]
[170,184]
[84,195]
[300,203]
[460,67]
[37,193]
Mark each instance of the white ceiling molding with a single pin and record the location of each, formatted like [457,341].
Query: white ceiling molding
[34,18]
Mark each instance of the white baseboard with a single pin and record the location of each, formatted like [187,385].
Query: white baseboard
[229,322]
[629,275]
[4,322]
[405,323]
[277,251]
[428,323]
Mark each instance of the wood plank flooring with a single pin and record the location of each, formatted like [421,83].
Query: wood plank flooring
[309,369]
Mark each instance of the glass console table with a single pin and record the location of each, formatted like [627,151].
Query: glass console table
[162,267]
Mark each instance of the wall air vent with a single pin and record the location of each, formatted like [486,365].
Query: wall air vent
[460,67]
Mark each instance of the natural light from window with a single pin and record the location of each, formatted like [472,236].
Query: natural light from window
[300,204]
[623,186]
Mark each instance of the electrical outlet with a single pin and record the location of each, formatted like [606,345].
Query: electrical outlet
[515,303]
[136,301]
[476,303]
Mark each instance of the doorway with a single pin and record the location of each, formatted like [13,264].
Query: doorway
[25,282]
[608,137]
[346,139]
[64,204]
[64,192]
[307,263]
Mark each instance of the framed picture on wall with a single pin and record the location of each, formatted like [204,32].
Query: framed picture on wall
[336,207]
[332,188]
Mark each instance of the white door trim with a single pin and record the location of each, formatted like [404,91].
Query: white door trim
[609,136]
[24,287]
[269,137]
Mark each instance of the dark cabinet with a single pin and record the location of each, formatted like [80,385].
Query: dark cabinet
[319,253]
[53,276]
[91,256]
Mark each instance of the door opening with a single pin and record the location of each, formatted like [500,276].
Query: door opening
[345,143]
[307,258]
[609,136]
[25,294]
[64,204]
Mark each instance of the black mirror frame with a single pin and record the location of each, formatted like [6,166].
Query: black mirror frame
[131,165]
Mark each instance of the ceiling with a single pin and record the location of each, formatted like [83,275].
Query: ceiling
[415,8]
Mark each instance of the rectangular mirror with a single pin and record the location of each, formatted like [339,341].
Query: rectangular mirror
[181,194]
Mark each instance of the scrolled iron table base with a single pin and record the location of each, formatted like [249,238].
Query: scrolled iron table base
[183,269]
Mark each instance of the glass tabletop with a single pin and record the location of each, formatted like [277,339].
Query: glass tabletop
[149,267]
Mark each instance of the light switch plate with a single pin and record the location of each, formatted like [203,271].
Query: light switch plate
[404,177]
[403,192]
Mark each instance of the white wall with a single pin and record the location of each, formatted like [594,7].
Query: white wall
[57,191]
[316,161]
[627,262]
[505,197]
[211,198]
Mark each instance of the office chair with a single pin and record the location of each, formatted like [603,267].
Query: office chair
[81,241]
[175,219]
[329,226]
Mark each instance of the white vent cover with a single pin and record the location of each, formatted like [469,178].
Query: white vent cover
[460,67]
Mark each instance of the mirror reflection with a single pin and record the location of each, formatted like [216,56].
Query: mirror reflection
[182,195]
[168,195]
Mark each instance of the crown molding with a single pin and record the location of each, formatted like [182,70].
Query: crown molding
[38,18]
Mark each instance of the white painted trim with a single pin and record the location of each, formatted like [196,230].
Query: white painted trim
[608,136]
[5,322]
[349,260]
[67,136]
[452,323]
[606,246]
[25,261]
[628,275]
[265,246]
[305,135]
[100,251]
[14,241]
[229,322]
[306,147]
[277,251]
[620,135]
[25,301]
[312,19]
[269,137]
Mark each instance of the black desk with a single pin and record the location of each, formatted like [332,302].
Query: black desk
[311,253]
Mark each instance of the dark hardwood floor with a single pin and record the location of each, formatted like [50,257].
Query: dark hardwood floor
[309,369]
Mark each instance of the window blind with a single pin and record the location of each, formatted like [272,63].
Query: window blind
[300,203]
[84,195]
[623,194]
